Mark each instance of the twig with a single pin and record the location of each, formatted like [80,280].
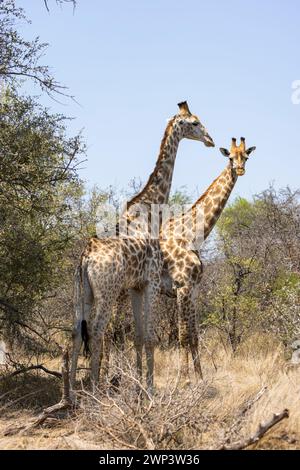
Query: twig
[148,441]
[261,431]
[27,369]
[240,415]
[252,401]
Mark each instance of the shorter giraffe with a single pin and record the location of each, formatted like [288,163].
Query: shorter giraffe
[179,239]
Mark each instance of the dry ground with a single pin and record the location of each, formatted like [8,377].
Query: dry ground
[225,408]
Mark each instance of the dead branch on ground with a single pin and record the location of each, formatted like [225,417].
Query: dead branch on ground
[261,431]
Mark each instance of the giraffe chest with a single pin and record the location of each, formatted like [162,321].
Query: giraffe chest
[143,260]
[183,264]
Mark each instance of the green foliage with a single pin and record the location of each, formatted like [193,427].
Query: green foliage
[180,196]
[38,186]
[255,269]
[286,280]
[237,215]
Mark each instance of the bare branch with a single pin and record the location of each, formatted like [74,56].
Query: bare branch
[28,369]
[261,431]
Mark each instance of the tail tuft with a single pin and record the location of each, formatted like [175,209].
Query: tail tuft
[85,338]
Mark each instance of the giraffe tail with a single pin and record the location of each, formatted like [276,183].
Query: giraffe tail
[85,338]
[80,310]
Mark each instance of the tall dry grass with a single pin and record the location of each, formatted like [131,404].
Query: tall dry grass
[237,394]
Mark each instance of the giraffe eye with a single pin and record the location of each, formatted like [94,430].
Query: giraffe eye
[195,123]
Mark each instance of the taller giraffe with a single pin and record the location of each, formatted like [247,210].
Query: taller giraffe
[134,262]
[182,259]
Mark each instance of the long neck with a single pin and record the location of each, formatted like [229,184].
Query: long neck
[199,220]
[157,189]
[213,201]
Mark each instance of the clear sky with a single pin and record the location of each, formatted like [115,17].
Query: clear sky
[129,62]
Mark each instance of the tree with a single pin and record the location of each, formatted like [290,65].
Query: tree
[38,184]
[252,281]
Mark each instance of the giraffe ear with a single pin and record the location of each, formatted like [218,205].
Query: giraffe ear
[250,150]
[184,108]
[224,152]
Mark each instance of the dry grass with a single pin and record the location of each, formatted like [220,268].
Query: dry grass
[181,415]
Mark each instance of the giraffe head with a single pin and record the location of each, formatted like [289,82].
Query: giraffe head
[190,126]
[238,155]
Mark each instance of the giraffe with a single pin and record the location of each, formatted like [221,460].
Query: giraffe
[182,258]
[110,265]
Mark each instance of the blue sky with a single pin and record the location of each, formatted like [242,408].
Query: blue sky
[129,63]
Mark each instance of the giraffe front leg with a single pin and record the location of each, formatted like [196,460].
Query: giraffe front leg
[194,345]
[183,350]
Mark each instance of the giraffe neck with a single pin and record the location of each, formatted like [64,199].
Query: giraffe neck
[157,189]
[204,214]
[213,201]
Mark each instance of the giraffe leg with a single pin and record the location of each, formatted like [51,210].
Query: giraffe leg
[76,340]
[149,349]
[193,334]
[183,351]
[137,307]
[106,348]
[183,334]
[184,361]
[189,330]
[102,317]
[95,358]
[83,301]
[151,297]
[195,355]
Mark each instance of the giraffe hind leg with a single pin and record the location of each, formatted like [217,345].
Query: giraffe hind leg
[102,317]
[83,301]
[150,304]
[137,307]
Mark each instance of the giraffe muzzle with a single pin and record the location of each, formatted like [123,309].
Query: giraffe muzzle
[208,142]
